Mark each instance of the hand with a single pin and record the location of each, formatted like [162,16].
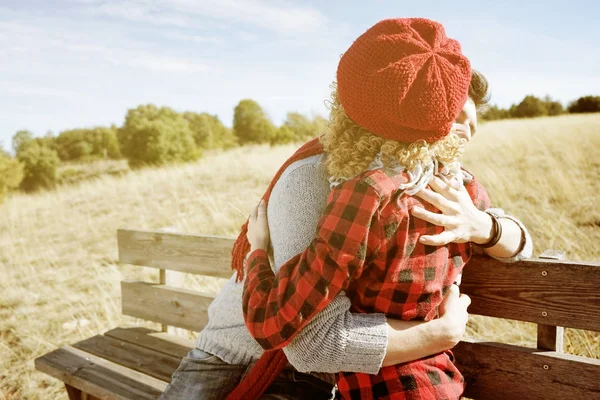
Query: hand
[454,316]
[463,222]
[258,228]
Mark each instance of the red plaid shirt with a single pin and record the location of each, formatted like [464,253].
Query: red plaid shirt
[366,244]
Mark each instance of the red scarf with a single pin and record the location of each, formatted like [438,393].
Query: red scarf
[272,362]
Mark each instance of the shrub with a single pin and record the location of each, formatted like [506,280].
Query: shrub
[21,140]
[77,144]
[251,124]
[492,113]
[586,104]
[11,174]
[156,136]
[301,126]
[283,135]
[209,132]
[530,107]
[39,167]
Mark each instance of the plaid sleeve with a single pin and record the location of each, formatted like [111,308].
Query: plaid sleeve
[277,307]
[478,194]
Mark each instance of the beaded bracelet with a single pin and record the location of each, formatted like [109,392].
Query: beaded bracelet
[497,229]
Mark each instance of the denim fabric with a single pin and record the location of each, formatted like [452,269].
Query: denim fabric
[205,376]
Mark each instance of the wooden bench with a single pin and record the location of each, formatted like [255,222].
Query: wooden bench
[137,363]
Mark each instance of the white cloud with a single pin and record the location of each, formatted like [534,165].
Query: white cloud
[21,44]
[133,10]
[159,63]
[183,13]
[193,38]
[132,58]
[247,36]
[21,89]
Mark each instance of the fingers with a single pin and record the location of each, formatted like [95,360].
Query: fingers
[428,216]
[454,297]
[261,211]
[438,240]
[444,188]
[451,296]
[465,300]
[454,291]
[458,280]
[436,200]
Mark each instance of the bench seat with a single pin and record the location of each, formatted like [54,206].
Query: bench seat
[124,363]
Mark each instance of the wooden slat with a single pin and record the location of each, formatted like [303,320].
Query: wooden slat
[550,337]
[97,380]
[137,358]
[175,346]
[560,293]
[497,372]
[204,255]
[166,305]
[162,279]
[124,371]
[73,393]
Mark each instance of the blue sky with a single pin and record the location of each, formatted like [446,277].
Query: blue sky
[81,63]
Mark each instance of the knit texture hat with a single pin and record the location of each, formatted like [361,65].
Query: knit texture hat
[404,80]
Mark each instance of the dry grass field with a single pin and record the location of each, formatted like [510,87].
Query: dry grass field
[60,281]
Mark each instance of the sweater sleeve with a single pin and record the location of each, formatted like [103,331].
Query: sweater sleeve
[335,339]
[277,307]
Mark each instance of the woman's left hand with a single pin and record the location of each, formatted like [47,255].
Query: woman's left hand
[258,228]
[463,222]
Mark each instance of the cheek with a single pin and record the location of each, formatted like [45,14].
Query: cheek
[462,117]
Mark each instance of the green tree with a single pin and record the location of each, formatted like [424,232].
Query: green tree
[553,107]
[319,125]
[104,142]
[48,140]
[283,135]
[301,126]
[21,140]
[251,124]
[156,136]
[530,107]
[585,104]
[71,145]
[494,112]
[39,166]
[77,144]
[209,132]
[11,173]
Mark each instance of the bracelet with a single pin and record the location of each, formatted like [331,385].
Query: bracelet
[496,228]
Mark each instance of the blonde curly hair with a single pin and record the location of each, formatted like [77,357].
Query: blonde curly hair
[351,149]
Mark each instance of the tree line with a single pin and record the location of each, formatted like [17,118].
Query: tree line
[532,106]
[152,135]
[149,136]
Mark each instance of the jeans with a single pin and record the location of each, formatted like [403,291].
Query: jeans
[205,376]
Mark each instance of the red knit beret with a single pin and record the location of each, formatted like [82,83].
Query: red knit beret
[404,80]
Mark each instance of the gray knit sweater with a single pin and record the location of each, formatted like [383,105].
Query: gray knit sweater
[335,339]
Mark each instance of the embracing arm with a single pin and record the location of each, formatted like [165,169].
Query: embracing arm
[335,339]
[277,307]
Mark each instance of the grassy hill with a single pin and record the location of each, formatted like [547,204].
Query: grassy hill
[58,249]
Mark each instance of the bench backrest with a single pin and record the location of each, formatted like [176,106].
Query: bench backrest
[550,293]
